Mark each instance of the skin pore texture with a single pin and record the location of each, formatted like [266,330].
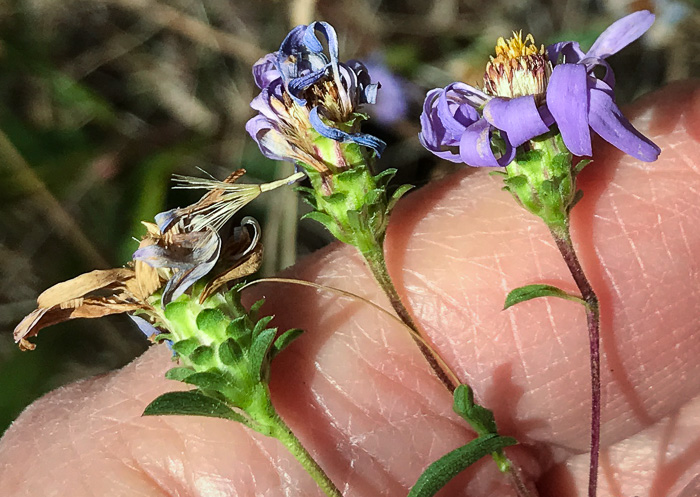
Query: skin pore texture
[361,398]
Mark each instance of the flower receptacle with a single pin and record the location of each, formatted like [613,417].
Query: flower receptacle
[357,209]
[543,180]
[225,351]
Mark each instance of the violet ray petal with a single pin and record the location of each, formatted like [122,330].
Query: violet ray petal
[165,220]
[271,143]
[157,257]
[592,62]
[262,103]
[455,111]
[265,70]
[204,257]
[146,328]
[301,83]
[429,100]
[518,117]
[546,116]
[369,93]
[607,120]
[291,43]
[312,42]
[350,83]
[473,96]
[569,51]
[435,150]
[475,146]
[367,89]
[567,100]
[432,134]
[341,136]
[621,33]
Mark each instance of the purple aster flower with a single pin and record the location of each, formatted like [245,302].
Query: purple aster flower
[528,89]
[306,92]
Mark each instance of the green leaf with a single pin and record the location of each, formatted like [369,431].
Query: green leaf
[237,328]
[478,417]
[261,325]
[355,219]
[577,197]
[255,308]
[382,179]
[208,380]
[178,374]
[515,182]
[213,322]
[451,464]
[373,196]
[177,312]
[192,403]
[258,352]
[163,336]
[230,352]
[305,190]
[400,192]
[310,201]
[529,156]
[284,340]
[336,198]
[185,347]
[561,164]
[350,175]
[202,356]
[547,188]
[581,164]
[328,222]
[530,292]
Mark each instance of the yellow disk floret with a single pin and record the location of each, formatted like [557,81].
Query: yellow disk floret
[519,68]
[516,47]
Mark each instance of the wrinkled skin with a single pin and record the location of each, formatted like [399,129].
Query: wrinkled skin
[360,396]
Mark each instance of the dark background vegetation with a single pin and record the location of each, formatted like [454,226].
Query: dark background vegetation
[102,100]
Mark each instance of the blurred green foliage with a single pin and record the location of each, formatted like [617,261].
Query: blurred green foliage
[102,100]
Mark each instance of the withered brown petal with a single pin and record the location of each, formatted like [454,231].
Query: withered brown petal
[151,229]
[146,279]
[26,326]
[82,285]
[73,309]
[242,268]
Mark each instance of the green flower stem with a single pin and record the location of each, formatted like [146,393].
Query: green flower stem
[284,434]
[562,237]
[377,264]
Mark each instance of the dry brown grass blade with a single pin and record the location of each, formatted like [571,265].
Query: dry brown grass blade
[358,298]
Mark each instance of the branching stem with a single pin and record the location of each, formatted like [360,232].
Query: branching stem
[377,264]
